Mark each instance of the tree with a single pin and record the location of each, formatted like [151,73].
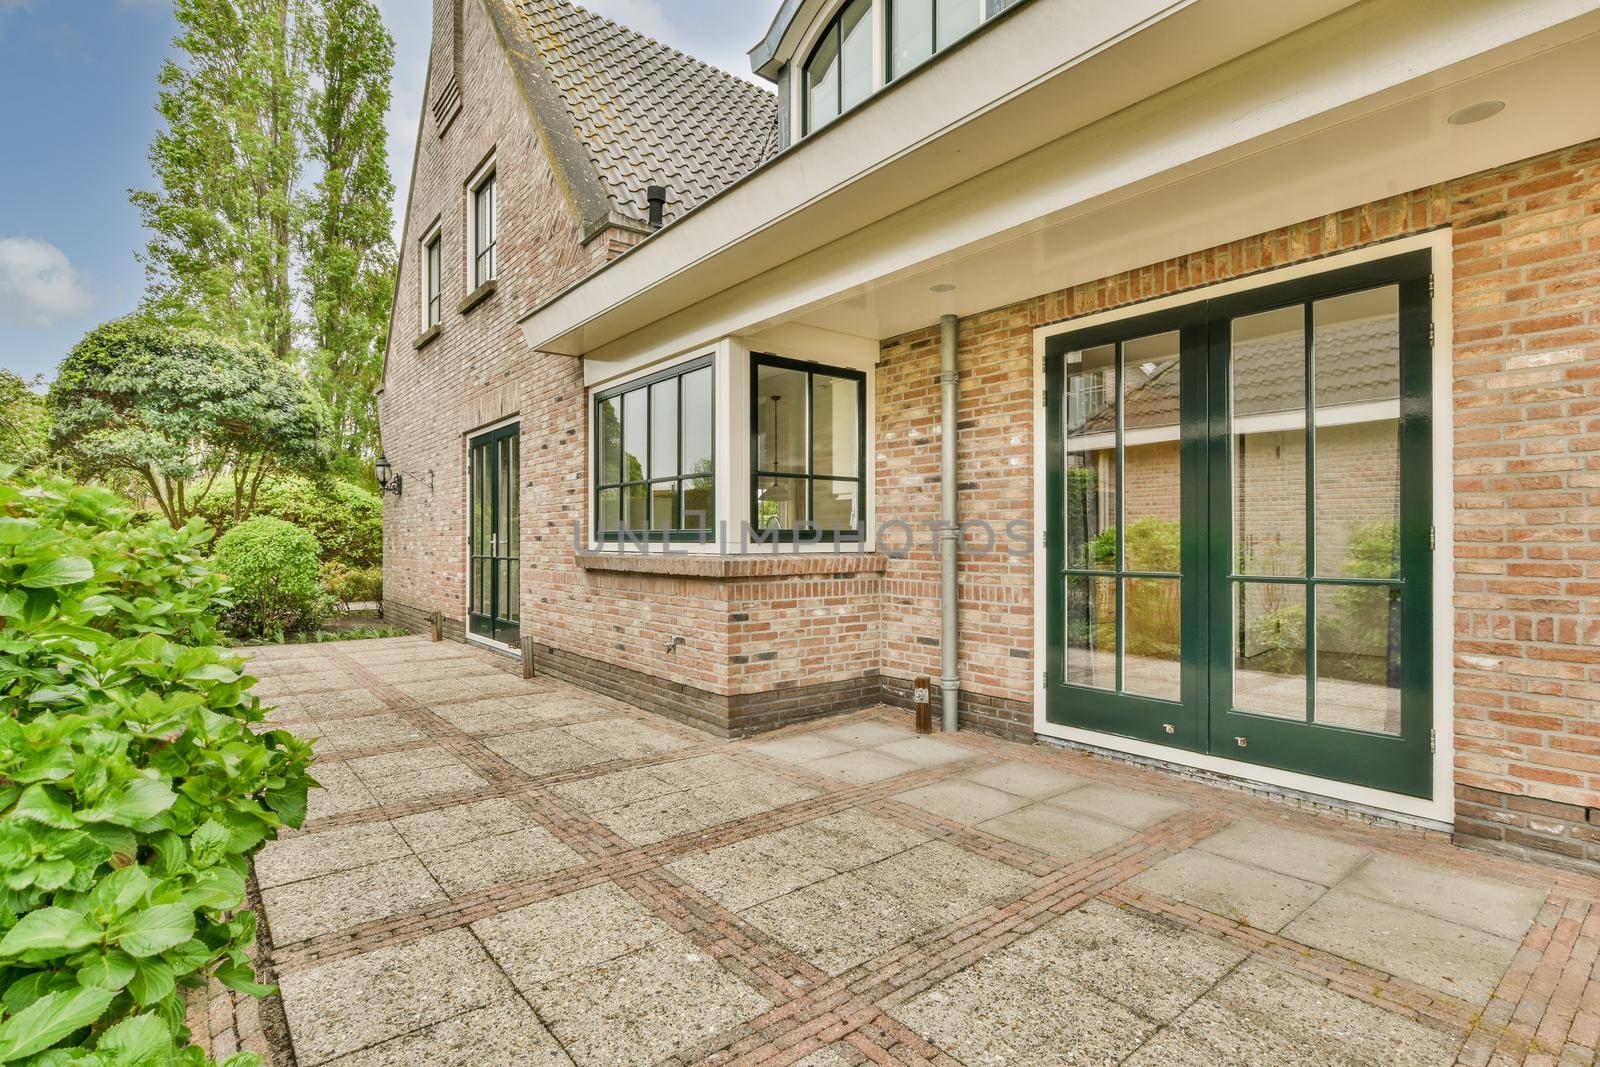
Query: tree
[266,96]
[348,253]
[178,410]
[228,164]
[24,423]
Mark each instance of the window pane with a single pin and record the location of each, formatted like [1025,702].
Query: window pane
[780,420]
[855,28]
[822,83]
[1358,434]
[1152,612]
[635,427]
[1151,463]
[1269,649]
[1358,658]
[1091,653]
[1089,418]
[610,519]
[912,25]
[781,503]
[610,438]
[957,18]
[664,429]
[636,508]
[510,479]
[664,506]
[698,505]
[1269,441]
[835,427]
[836,506]
[699,408]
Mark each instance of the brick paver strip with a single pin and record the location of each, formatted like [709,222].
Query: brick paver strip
[1547,1005]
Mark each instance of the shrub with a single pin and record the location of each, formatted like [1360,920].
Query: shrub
[274,578]
[352,585]
[132,788]
[347,519]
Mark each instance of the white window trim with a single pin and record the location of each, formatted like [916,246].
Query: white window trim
[1438,810]
[433,233]
[731,370]
[481,177]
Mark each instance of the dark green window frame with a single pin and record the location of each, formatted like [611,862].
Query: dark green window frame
[835,34]
[809,478]
[676,532]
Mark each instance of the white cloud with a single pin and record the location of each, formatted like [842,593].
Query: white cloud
[641,16]
[38,284]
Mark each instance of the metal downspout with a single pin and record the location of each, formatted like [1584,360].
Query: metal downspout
[949,526]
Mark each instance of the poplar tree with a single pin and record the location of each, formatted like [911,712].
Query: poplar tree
[271,221]
[346,242]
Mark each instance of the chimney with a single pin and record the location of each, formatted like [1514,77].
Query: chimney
[657,195]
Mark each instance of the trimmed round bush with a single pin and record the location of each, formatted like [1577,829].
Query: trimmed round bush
[274,570]
[347,519]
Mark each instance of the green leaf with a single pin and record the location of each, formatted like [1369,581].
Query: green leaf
[240,978]
[140,1039]
[49,1019]
[152,981]
[12,602]
[119,891]
[49,932]
[211,672]
[57,572]
[154,930]
[111,970]
[38,804]
[209,844]
[137,802]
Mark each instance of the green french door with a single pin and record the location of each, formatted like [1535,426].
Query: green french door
[1239,538]
[495,537]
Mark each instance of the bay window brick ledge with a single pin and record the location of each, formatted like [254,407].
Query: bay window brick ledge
[684,565]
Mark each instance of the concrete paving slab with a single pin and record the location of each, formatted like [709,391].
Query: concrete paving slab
[1026,779]
[352,1004]
[339,901]
[542,942]
[1120,805]
[505,1035]
[500,860]
[964,802]
[862,766]
[1265,1017]
[1057,831]
[1306,856]
[1500,908]
[1454,959]
[342,848]
[1258,897]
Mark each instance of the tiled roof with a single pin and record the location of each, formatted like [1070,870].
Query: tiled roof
[648,114]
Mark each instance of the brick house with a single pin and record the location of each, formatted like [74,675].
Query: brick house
[1273,423]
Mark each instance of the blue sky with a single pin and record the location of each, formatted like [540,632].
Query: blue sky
[80,79]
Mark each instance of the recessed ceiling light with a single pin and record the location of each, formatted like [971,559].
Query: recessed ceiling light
[942,287]
[1483,109]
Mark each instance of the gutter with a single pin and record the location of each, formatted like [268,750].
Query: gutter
[949,524]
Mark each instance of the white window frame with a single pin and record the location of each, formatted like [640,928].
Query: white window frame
[732,439]
[485,175]
[433,236]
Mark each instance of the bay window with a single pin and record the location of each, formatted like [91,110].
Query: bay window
[654,452]
[808,446]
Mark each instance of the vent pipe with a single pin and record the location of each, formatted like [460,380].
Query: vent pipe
[657,196]
[949,524]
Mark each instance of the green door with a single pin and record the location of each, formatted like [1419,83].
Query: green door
[1239,538]
[495,537]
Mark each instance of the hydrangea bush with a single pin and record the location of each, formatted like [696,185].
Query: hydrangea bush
[133,789]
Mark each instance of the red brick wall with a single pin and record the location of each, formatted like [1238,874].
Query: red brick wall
[1527,461]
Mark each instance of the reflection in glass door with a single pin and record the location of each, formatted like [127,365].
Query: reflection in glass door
[495,537]
[1239,495]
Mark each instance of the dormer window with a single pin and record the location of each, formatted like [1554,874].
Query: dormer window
[919,28]
[839,73]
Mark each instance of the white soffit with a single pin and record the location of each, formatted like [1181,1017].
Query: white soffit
[1337,114]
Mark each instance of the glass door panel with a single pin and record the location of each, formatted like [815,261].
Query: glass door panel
[494,596]
[1239,502]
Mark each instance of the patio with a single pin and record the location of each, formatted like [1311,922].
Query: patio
[503,871]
